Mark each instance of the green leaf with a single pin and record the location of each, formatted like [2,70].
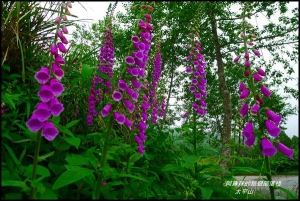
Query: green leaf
[86,71]
[12,155]
[75,159]
[243,170]
[171,167]
[74,141]
[206,192]
[191,159]
[28,109]
[43,157]
[14,183]
[40,170]
[290,194]
[70,177]
[103,76]
[72,123]
[13,196]
[132,176]
[55,120]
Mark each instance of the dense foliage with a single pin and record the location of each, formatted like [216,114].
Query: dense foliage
[136,106]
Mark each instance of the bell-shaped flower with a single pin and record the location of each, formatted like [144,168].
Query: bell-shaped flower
[128,123]
[134,95]
[141,150]
[256,52]
[188,70]
[54,50]
[135,83]
[135,39]
[194,81]
[267,147]
[272,128]
[246,73]
[285,150]
[185,115]
[129,105]
[65,30]
[236,59]
[257,77]
[242,86]
[250,140]
[119,118]
[43,75]
[42,112]
[49,131]
[142,135]
[61,47]
[244,110]
[55,107]
[244,94]
[129,60]
[261,72]
[273,116]
[247,63]
[248,130]
[138,140]
[142,126]
[122,85]
[56,87]
[246,55]
[59,60]
[106,110]
[34,124]
[57,71]
[254,109]
[45,93]
[265,91]
[117,96]
[89,120]
[260,100]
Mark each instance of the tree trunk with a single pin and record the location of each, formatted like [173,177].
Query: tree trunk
[226,131]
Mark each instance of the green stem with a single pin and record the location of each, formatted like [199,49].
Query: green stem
[35,162]
[127,170]
[261,128]
[103,160]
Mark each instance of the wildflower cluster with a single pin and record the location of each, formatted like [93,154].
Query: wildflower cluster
[51,87]
[272,121]
[106,58]
[198,81]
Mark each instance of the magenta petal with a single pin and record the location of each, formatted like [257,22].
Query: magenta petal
[236,59]
[54,50]
[192,88]
[267,148]
[55,107]
[122,85]
[188,70]
[128,123]
[135,83]
[59,60]
[42,112]
[254,109]
[56,87]
[129,105]
[34,124]
[273,116]
[43,75]
[138,140]
[285,150]
[106,110]
[135,39]
[247,63]
[257,77]
[273,130]
[242,86]
[261,72]
[244,110]
[49,131]
[89,120]
[117,96]
[265,91]
[119,118]
[61,47]
[248,130]
[45,93]
[244,94]
[250,140]
[141,150]
[57,71]
[129,60]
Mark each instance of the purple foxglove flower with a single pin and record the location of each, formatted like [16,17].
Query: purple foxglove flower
[201,111]
[64,40]
[129,60]
[142,72]
[59,60]
[261,72]
[34,124]
[203,103]
[247,63]
[256,52]
[188,70]
[285,150]
[194,81]
[267,147]
[43,75]
[250,140]
[254,109]
[196,74]
[197,96]
[45,93]
[142,136]
[139,55]
[54,50]
[185,114]
[134,72]
[236,59]
[122,85]
[242,86]
[49,131]
[149,27]
[142,126]
[148,17]
[273,117]
[203,93]
[246,55]
[106,110]
[65,30]
[57,20]
[260,100]
[202,86]
[141,150]
[248,130]
[195,106]
[272,128]
[141,47]
[246,73]
[244,94]
[117,96]
[135,83]
[250,43]
[257,77]
[134,95]
[244,110]
[56,87]
[55,107]
[42,112]
[128,123]
[145,106]
[202,80]
[89,120]
[57,71]
[119,118]
[60,34]
[144,116]
[135,39]
[140,63]
[265,91]
[129,105]
[138,140]
[61,47]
